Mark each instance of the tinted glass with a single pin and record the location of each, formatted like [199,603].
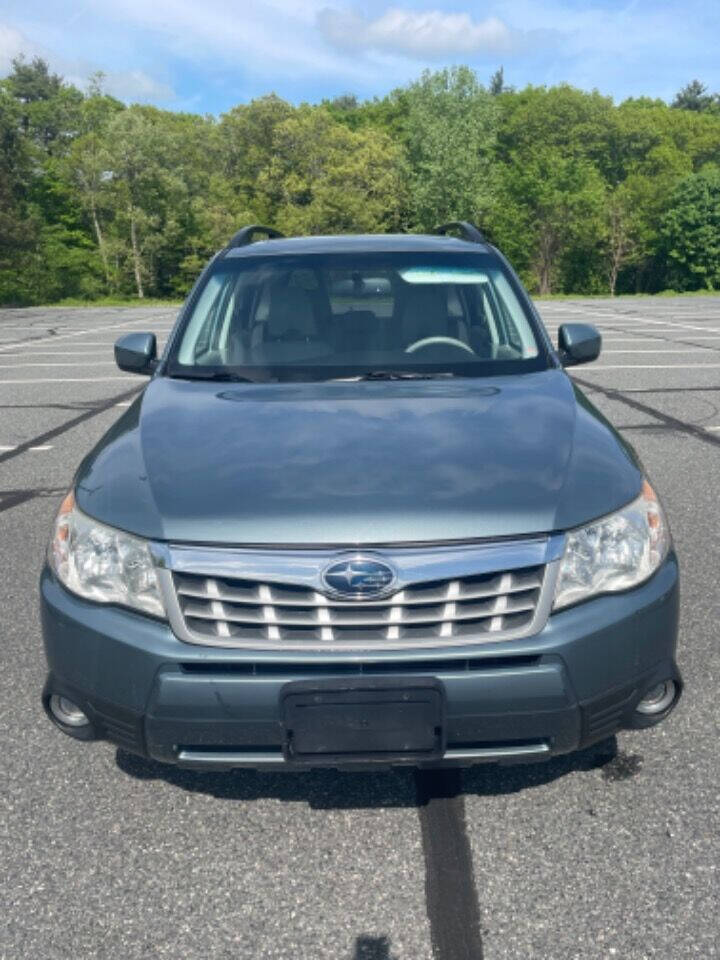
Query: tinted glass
[319,317]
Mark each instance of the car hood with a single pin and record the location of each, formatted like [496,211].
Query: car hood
[357,462]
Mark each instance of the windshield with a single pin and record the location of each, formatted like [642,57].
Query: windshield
[343,316]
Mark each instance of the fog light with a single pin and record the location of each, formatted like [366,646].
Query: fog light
[658,699]
[66,712]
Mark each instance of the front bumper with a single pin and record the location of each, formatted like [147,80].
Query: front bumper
[575,682]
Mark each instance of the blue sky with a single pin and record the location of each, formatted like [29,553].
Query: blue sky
[208,55]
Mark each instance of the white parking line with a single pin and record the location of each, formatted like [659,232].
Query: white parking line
[41,448]
[77,351]
[109,329]
[647,338]
[666,323]
[69,363]
[621,328]
[655,366]
[8,383]
[62,353]
[78,333]
[28,347]
[67,322]
[712,428]
[86,345]
[669,351]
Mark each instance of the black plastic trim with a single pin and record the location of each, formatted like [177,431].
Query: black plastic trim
[468,230]
[245,236]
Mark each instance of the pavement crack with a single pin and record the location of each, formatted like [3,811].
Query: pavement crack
[14,498]
[672,390]
[43,438]
[450,893]
[700,433]
[659,335]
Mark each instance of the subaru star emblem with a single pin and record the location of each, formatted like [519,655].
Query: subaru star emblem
[358,577]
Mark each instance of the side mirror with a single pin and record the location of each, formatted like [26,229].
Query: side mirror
[136,352]
[578,343]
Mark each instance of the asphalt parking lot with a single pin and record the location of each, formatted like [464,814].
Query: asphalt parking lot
[609,853]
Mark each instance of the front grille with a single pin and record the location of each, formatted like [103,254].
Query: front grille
[483,606]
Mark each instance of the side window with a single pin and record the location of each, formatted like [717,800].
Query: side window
[224,321]
[518,333]
[218,319]
[505,330]
[489,309]
[197,334]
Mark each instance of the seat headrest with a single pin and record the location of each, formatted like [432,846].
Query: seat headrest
[290,309]
[424,311]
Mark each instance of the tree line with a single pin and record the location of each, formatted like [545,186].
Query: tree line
[583,195]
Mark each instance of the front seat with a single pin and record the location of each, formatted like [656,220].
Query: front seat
[290,332]
[424,313]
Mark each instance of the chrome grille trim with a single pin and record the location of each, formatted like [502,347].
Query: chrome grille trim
[443,597]
[266,593]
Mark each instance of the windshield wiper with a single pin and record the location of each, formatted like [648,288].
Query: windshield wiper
[398,375]
[218,376]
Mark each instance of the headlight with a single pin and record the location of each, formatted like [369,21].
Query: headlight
[615,552]
[101,563]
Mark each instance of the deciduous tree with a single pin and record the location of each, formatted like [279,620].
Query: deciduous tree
[691,230]
[450,135]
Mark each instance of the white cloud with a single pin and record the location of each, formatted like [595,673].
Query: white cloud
[414,33]
[127,85]
[131,86]
[268,37]
[218,52]
[12,44]
[136,85]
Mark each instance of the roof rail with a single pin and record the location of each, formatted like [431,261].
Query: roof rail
[468,230]
[245,236]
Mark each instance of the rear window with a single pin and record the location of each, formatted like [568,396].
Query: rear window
[360,290]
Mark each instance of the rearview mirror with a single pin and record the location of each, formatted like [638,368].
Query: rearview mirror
[136,352]
[578,343]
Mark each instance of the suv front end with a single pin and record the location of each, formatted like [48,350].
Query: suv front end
[197,673]
[359,516]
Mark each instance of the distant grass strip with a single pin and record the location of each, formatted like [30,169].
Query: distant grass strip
[115,302]
[626,296]
[159,302]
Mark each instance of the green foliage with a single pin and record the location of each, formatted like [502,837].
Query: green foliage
[323,177]
[695,96]
[549,218]
[449,139]
[17,230]
[497,83]
[247,135]
[691,230]
[100,200]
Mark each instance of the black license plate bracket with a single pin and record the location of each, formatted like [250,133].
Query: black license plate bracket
[363,720]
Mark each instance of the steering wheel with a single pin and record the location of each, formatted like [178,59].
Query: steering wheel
[431,341]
